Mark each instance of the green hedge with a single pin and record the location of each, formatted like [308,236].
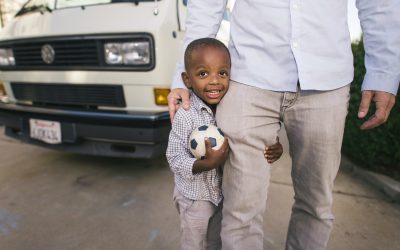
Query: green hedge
[377,149]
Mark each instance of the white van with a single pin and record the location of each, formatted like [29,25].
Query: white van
[91,76]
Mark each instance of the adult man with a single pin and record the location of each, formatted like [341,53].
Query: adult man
[292,62]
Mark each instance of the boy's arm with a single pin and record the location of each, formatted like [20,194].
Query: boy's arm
[178,154]
[180,159]
[213,158]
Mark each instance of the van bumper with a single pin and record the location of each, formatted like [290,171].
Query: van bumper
[103,133]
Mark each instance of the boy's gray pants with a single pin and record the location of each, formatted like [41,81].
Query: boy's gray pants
[314,122]
[200,223]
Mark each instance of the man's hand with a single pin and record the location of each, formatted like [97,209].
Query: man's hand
[384,103]
[173,101]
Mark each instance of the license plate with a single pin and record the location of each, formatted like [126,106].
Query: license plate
[46,131]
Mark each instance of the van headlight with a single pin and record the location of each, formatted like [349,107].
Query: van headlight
[127,53]
[6,57]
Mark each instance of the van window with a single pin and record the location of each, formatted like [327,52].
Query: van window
[49,5]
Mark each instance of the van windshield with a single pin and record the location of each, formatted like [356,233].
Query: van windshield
[50,5]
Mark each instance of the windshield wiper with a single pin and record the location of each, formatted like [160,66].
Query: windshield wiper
[41,8]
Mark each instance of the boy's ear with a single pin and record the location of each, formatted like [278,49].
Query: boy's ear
[186,80]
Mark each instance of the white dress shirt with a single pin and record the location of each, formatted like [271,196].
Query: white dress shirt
[276,43]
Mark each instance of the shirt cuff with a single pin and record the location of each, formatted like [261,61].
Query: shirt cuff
[381,82]
[187,170]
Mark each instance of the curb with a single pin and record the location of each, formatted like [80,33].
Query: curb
[385,184]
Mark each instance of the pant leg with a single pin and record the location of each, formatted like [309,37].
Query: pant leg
[194,216]
[249,117]
[314,125]
[214,229]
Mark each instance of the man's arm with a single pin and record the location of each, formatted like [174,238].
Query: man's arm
[380,21]
[203,20]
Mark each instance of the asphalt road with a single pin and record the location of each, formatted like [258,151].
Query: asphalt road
[53,200]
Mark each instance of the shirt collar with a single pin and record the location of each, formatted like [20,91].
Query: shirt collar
[198,104]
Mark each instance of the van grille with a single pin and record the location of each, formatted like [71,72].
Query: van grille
[84,52]
[85,95]
[68,53]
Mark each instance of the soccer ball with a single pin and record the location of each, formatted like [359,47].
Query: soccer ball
[196,139]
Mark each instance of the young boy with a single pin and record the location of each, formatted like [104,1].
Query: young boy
[197,194]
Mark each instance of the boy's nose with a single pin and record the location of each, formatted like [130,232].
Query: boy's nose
[213,80]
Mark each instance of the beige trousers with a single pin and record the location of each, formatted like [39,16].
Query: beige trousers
[314,122]
[200,223]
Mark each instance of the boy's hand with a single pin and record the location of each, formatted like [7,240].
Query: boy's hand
[274,152]
[215,158]
[212,159]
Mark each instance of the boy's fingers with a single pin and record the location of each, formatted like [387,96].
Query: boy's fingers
[207,143]
[225,145]
[274,151]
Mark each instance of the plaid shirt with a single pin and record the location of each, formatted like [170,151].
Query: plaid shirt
[201,186]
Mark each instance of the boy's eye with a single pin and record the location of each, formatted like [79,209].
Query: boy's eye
[203,74]
[223,73]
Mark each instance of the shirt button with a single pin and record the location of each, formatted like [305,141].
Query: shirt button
[295,44]
[295,6]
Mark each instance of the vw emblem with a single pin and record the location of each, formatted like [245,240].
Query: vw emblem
[48,54]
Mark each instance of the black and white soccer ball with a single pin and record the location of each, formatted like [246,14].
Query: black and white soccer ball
[196,139]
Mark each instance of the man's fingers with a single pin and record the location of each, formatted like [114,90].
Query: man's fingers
[376,119]
[366,99]
[384,103]
[172,110]
[172,107]
[173,101]
[392,102]
[185,99]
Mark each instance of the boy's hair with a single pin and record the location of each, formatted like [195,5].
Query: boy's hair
[202,43]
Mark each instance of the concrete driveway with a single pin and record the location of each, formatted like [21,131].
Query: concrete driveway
[52,200]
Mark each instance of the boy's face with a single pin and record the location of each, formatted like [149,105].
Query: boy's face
[208,74]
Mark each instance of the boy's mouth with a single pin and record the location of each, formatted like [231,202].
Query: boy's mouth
[213,94]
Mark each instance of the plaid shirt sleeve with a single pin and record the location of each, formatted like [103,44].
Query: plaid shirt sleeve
[178,154]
